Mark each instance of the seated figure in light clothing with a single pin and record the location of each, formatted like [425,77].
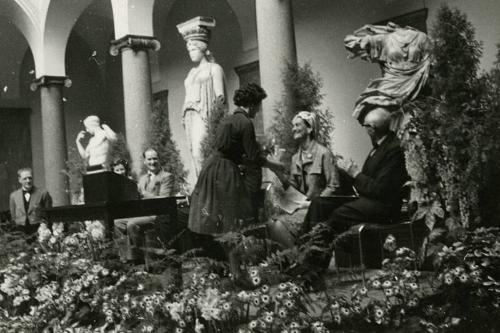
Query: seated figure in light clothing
[312,173]
[129,233]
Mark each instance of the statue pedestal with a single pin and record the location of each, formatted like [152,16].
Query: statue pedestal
[108,186]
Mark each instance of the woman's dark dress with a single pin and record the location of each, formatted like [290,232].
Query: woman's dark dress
[220,200]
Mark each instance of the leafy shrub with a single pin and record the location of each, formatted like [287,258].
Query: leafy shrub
[467,285]
[453,133]
[161,140]
[214,119]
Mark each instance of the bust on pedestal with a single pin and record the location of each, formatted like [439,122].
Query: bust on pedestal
[96,154]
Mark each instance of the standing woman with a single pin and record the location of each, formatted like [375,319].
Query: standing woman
[221,201]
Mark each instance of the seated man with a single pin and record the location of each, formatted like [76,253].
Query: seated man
[155,183]
[379,182]
[27,203]
[313,173]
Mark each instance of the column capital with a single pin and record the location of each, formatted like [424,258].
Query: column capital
[48,80]
[134,42]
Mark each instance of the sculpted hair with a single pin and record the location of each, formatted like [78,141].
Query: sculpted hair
[250,94]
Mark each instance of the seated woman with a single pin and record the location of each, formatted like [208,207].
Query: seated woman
[120,167]
[312,172]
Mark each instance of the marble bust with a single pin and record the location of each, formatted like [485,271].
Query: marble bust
[204,85]
[96,153]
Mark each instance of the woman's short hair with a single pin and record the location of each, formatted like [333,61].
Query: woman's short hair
[120,161]
[249,95]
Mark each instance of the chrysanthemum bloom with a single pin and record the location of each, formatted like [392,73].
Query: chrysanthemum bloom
[345,311]
[268,317]
[282,312]
[335,306]
[254,272]
[256,280]
[464,278]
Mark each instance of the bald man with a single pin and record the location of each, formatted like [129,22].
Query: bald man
[379,182]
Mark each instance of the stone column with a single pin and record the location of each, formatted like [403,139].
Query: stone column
[54,135]
[276,38]
[136,91]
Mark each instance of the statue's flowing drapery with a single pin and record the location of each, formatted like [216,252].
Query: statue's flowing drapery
[404,56]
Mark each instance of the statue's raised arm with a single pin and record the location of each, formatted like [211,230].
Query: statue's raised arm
[404,57]
[96,153]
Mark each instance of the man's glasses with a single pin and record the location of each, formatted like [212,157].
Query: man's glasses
[369,126]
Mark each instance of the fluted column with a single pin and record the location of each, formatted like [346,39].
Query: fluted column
[276,38]
[136,91]
[54,135]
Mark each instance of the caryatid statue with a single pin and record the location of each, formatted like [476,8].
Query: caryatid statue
[404,55]
[96,154]
[204,84]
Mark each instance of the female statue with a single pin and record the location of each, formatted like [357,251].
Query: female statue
[205,88]
[96,153]
[404,55]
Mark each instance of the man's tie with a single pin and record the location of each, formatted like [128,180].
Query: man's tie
[148,181]
[374,149]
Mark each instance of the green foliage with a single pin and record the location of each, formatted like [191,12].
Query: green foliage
[466,284]
[305,86]
[119,149]
[161,140]
[75,169]
[214,118]
[453,130]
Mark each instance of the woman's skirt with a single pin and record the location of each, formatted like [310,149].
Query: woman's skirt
[220,201]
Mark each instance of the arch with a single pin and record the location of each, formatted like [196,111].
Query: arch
[59,19]
[245,12]
[24,15]
[14,41]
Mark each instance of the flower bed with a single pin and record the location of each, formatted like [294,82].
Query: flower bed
[75,283]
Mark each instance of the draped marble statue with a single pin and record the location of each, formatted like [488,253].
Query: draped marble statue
[96,153]
[404,57]
[204,85]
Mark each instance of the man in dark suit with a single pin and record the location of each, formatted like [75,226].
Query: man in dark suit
[154,183]
[27,203]
[379,185]
[380,181]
